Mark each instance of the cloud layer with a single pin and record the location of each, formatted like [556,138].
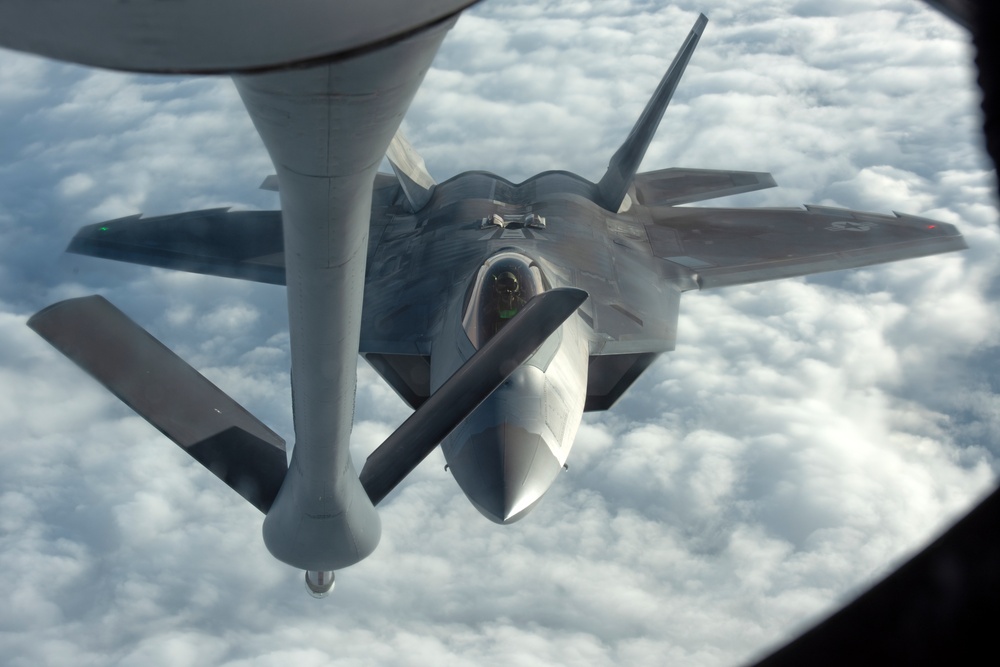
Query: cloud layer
[804,436]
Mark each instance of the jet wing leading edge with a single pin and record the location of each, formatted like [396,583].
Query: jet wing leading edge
[458,285]
[624,164]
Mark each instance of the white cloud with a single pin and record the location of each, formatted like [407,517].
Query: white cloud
[804,435]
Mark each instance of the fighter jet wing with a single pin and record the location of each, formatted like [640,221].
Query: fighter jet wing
[736,246]
[242,244]
[235,244]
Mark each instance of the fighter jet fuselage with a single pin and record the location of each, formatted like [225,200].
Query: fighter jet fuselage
[500,312]
[503,244]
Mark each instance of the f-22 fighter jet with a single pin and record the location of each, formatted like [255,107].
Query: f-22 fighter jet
[455,271]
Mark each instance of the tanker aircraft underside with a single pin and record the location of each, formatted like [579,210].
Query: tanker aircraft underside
[500,312]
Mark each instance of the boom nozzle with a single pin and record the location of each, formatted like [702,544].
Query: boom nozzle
[319,583]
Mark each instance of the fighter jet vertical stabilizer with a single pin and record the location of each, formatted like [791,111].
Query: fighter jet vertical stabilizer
[417,184]
[453,270]
[624,164]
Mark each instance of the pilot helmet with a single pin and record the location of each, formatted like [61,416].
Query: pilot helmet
[506,283]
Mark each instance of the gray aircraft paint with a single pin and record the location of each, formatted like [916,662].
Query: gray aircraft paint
[624,241]
[326,129]
[221,36]
[507,453]
[326,91]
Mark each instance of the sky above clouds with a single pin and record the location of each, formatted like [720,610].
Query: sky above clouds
[804,436]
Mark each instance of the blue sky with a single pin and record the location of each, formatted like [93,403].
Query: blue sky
[804,436]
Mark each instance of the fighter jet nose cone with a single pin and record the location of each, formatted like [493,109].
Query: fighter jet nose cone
[505,470]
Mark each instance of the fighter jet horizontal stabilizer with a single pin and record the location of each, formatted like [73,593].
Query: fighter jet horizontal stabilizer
[168,393]
[471,384]
[670,187]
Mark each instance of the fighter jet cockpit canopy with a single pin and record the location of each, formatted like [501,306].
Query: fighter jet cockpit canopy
[504,284]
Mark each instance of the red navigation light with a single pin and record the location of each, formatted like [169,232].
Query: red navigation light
[931,226]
